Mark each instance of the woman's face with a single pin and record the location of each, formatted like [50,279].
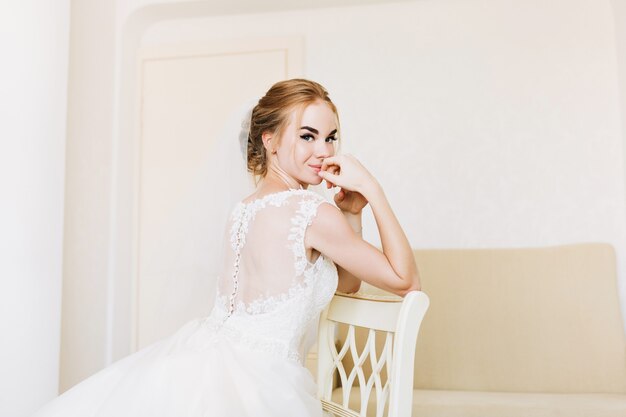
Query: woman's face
[303,148]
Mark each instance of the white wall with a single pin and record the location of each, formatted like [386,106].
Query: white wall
[33,85]
[489,123]
[90,127]
[619,13]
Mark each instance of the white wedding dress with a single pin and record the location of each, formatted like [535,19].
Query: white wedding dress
[246,358]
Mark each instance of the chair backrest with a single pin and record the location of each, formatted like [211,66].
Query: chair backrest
[383,365]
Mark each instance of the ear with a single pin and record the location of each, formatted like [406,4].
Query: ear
[267,141]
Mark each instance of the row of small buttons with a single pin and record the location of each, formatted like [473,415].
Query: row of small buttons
[235,273]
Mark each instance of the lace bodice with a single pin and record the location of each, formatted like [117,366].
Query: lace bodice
[269,293]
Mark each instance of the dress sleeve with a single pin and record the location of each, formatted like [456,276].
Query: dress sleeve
[306,212]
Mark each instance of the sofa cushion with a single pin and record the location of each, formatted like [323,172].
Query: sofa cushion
[543,319]
[442,403]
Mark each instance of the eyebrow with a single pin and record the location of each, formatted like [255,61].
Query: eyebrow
[316,131]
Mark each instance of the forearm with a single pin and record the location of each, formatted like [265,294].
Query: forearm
[395,244]
[354,220]
[348,282]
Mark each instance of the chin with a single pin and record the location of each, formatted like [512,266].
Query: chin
[316,181]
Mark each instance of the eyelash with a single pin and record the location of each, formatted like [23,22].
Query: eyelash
[310,136]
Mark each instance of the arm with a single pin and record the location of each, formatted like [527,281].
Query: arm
[348,283]
[395,244]
[393,269]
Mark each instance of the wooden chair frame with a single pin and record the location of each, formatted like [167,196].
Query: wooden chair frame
[399,320]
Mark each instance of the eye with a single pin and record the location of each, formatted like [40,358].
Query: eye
[307,136]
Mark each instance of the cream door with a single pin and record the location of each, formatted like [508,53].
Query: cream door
[187,92]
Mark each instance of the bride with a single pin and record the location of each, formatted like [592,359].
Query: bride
[286,251]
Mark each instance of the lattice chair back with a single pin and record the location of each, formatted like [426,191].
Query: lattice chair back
[394,318]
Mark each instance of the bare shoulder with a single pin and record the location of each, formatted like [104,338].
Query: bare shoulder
[328,226]
[327,215]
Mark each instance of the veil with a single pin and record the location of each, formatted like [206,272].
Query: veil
[233,177]
[228,180]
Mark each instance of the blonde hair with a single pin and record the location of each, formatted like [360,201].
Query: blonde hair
[272,114]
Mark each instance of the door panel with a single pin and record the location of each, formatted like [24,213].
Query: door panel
[187,93]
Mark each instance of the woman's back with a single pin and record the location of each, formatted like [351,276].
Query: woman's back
[269,292]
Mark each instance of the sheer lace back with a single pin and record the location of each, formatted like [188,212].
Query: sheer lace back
[267,263]
[268,288]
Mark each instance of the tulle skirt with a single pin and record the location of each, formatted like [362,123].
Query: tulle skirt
[192,373]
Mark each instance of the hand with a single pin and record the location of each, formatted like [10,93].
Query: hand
[347,172]
[350,201]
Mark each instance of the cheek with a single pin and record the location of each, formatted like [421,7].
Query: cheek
[302,153]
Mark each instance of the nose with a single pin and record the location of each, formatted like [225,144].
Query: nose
[324,149]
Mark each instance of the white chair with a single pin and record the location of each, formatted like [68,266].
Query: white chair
[394,318]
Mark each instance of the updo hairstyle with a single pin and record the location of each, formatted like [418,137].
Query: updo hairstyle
[272,114]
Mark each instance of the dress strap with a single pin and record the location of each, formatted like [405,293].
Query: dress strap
[303,218]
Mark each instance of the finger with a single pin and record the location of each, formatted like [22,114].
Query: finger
[333,170]
[329,184]
[328,176]
[325,166]
[331,160]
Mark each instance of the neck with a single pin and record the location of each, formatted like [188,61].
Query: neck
[276,179]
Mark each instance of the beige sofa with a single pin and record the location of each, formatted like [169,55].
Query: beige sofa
[520,332]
